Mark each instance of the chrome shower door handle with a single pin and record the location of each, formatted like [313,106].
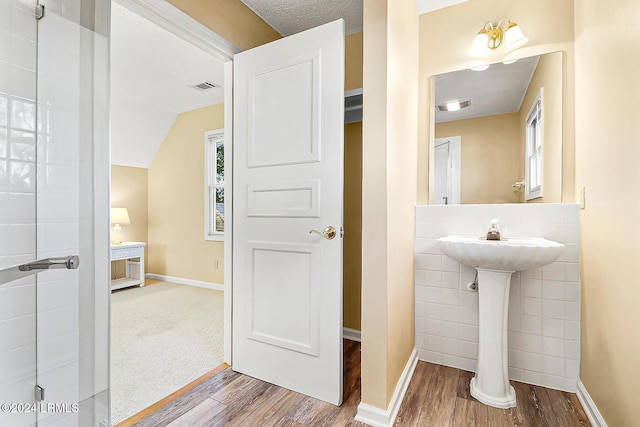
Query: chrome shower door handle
[70,262]
[328,233]
[16,272]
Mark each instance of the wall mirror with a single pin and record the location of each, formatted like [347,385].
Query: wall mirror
[498,133]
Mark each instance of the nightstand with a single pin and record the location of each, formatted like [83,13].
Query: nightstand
[133,254]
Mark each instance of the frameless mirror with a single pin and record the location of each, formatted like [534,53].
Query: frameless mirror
[498,133]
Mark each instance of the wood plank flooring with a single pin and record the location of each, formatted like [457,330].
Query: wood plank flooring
[437,396]
[440,396]
[173,396]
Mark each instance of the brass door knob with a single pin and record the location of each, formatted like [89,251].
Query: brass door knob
[328,233]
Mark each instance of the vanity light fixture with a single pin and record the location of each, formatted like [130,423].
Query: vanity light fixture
[480,67]
[490,37]
[511,61]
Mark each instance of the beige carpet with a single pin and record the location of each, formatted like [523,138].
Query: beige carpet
[163,336]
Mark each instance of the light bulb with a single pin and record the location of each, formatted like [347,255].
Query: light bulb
[453,106]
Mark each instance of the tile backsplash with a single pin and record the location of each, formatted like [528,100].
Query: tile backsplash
[544,304]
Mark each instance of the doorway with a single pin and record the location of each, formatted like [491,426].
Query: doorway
[336,111]
[167,96]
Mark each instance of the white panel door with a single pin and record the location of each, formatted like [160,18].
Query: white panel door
[442,176]
[288,180]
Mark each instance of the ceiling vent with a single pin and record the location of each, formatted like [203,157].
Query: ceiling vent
[205,86]
[454,105]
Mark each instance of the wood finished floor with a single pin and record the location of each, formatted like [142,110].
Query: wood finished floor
[437,396]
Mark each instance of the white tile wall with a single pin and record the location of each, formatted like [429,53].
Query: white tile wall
[544,304]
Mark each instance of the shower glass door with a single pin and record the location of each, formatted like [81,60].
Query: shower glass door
[54,169]
[18,58]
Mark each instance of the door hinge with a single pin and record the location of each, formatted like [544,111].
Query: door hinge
[341,232]
[39,12]
[39,393]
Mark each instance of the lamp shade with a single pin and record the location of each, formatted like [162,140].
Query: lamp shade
[514,37]
[480,48]
[120,216]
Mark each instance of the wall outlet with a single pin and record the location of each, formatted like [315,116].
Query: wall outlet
[582,202]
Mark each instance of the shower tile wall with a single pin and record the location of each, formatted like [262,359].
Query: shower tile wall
[544,304]
[17,205]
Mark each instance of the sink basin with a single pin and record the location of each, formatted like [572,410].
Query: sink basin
[495,260]
[514,254]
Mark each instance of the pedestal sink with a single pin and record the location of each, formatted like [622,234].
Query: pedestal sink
[495,261]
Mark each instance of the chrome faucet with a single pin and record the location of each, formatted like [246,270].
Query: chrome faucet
[494,232]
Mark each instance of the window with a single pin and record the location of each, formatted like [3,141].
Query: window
[214,185]
[533,172]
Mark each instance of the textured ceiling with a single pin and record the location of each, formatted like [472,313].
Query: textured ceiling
[292,16]
[498,90]
[152,72]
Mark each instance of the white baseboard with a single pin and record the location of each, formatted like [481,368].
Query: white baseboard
[589,406]
[385,418]
[188,282]
[352,334]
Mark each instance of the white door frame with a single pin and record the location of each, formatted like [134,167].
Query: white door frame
[455,147]
[172,19]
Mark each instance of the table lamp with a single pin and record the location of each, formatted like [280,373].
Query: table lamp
[118,216]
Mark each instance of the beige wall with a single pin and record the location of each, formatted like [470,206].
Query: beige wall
[490,156]
[390,80]
[353,61]
[176,202]
[607,157]
[352,259]
[548,75]
[231,19]
[129,190]
[549,26]
[374,206]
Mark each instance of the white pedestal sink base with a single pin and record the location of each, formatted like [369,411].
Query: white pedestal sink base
[491,383]
[506,402]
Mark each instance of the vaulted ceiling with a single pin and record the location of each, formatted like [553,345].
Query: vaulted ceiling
[152,77]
